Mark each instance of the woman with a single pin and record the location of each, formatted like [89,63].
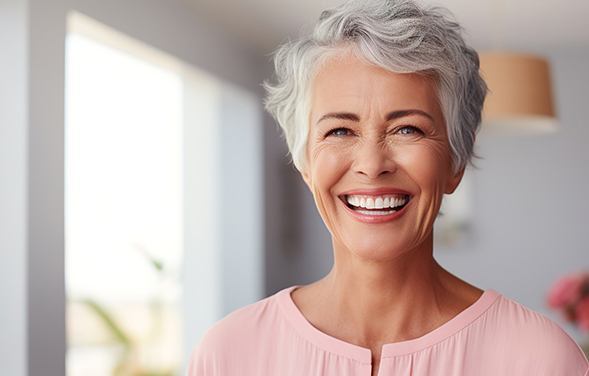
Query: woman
[380,108]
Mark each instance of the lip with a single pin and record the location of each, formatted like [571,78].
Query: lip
[377,218]
[376,192]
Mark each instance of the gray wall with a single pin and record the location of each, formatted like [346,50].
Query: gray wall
[530,207]
[13,185]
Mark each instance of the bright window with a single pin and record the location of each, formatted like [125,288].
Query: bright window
[124,197]
[159,158]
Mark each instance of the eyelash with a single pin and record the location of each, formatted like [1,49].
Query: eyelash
[329,133]
[412,127]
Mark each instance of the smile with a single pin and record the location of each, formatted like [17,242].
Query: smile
[376,209]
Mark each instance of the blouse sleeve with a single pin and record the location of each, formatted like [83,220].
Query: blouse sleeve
[204,359]
[563,356]
[213,356]
[196,364]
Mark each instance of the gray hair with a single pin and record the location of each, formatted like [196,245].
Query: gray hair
[398,35]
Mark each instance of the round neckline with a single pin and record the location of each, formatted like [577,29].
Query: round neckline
[363,354]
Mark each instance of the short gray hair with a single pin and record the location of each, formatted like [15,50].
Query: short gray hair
[398,35]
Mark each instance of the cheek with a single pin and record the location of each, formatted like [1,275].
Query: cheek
[427,164]
[329,164]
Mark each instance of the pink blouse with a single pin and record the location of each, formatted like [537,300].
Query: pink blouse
[494,336]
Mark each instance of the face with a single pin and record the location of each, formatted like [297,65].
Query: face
[377,139]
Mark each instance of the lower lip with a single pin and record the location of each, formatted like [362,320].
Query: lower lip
[377,218]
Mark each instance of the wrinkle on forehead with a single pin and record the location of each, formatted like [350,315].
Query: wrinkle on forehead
[329,79]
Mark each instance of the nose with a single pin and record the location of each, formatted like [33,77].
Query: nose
[373,159]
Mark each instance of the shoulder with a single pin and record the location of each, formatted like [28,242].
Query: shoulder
[228,343]
[533,339]
[239,322]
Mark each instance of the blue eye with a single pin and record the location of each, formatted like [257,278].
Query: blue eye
[409,129]
[338,132]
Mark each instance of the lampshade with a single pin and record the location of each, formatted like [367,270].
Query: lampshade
[520,93]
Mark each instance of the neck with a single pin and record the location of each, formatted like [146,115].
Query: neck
[387,301]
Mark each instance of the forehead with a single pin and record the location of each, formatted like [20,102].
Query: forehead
[346,82]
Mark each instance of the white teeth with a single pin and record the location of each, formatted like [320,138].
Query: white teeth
[376,212]
[377,202]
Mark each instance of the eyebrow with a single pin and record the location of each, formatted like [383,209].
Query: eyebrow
[390,116]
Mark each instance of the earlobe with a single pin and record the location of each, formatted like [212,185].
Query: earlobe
[454,181]
[306,178]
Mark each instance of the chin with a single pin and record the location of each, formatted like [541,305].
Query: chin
[378,248]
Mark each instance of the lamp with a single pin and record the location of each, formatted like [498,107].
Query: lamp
[520,96]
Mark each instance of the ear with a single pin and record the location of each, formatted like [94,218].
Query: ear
[454,180]
[306,178]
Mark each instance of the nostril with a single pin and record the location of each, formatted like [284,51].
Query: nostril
[374,174]
[375,168]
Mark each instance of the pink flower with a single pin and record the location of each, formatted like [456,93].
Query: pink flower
[566,290]
[582,313]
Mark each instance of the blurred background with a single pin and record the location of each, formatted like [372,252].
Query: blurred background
[145,194]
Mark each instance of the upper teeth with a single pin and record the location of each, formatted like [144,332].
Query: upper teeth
[377,202]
